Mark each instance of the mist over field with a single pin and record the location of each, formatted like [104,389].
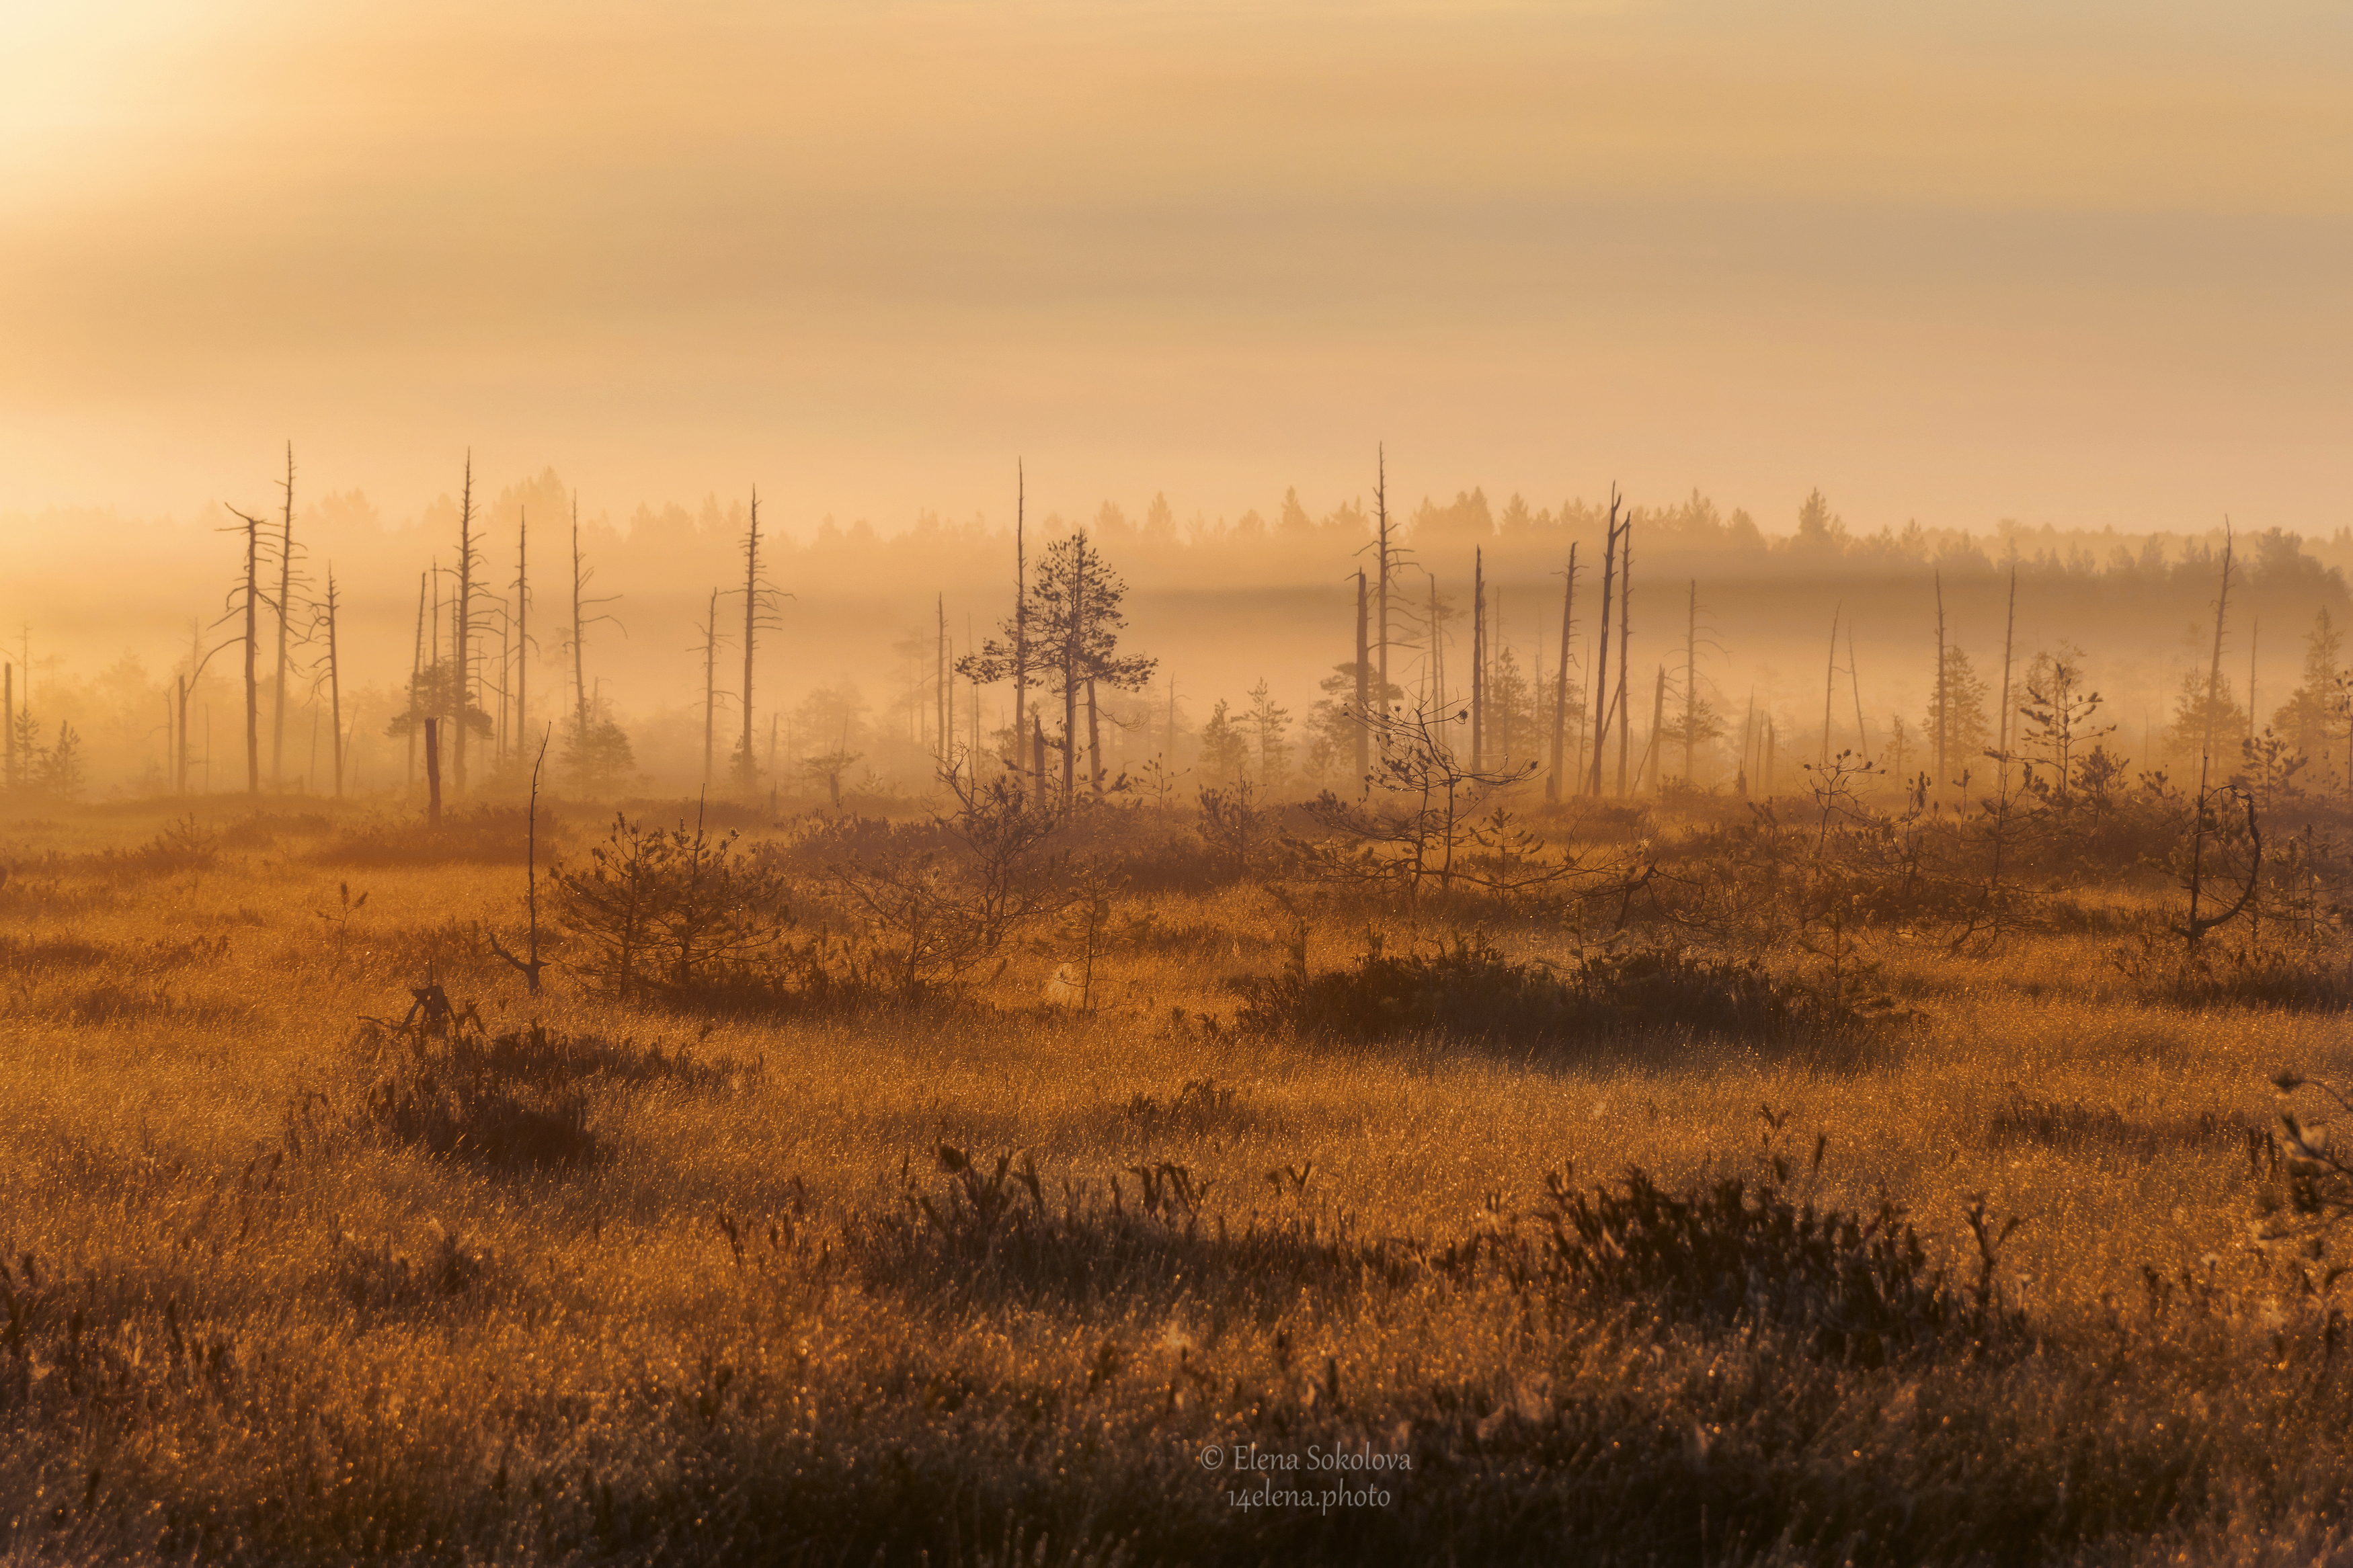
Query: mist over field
[1058,785]
[853,657]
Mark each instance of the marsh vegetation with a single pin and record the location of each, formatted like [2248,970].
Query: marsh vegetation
[1760,1183]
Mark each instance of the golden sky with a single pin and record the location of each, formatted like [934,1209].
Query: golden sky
[2075,263]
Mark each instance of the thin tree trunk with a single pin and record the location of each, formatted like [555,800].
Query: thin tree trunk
[1094,745]
[336,681]
[1747,741]
[461,629]
[1691,678]
[285,608]
[2206,757]
[1435,677]
[433,772]
[1074,643]
[1386,561]
[1478,659]
[1364,682]
[1022,620]
[751,630]
[252,631]
[1601,651]
[1560,683]
[1830,685]
[1625,630]
[2254,640]
[579,634]
[1854,684]
[709,682]
[945,692]
[1658,752]
[523,632]
[1944,693]
[415,670]
[2009,636]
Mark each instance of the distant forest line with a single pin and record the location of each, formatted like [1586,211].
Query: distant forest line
[1261,605]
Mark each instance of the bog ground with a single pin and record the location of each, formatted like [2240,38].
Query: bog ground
[1766,1190]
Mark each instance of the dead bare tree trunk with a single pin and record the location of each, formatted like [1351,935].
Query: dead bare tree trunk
[1478,657]
[748,769]
[1830,685]
[1364,681]
[416,668]
[1560,683]
[1073,646]
[252,635]
[433,771]
[8,719]
[461,629]
[2254,640]
[1854,684]
[1385,560]
[2008,637]
[1435,665]
[946,721]
[529,967]
[579,673]
[2205,751]
[1943,693]
[1625,630]
[335,680]
[1656,750]
[522,630]
[1691,678]
[1747,741]
[710,683]
[1021,619]
[285,609]
[1601,651]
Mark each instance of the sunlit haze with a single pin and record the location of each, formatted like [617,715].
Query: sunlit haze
[1952,262]
[2078,271]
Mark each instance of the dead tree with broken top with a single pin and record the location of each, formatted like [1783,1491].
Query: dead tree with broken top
[1560,682]
[760,598]
[247,600]
[1602,701]
[285,612]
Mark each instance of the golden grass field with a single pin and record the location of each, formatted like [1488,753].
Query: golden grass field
[765,1323]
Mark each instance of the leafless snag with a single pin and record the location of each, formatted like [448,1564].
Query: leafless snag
[529,968]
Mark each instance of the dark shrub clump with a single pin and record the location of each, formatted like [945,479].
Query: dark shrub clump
[1469,990]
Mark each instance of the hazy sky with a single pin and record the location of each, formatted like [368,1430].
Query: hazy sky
[2075,263]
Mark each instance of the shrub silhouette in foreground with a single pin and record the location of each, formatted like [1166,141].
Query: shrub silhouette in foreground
[1853,1286]
[507,1100]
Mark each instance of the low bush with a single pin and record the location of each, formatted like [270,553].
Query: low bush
[1469,990]
[671,912]
[514,1099]
[460,1097]
[1736,1254]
